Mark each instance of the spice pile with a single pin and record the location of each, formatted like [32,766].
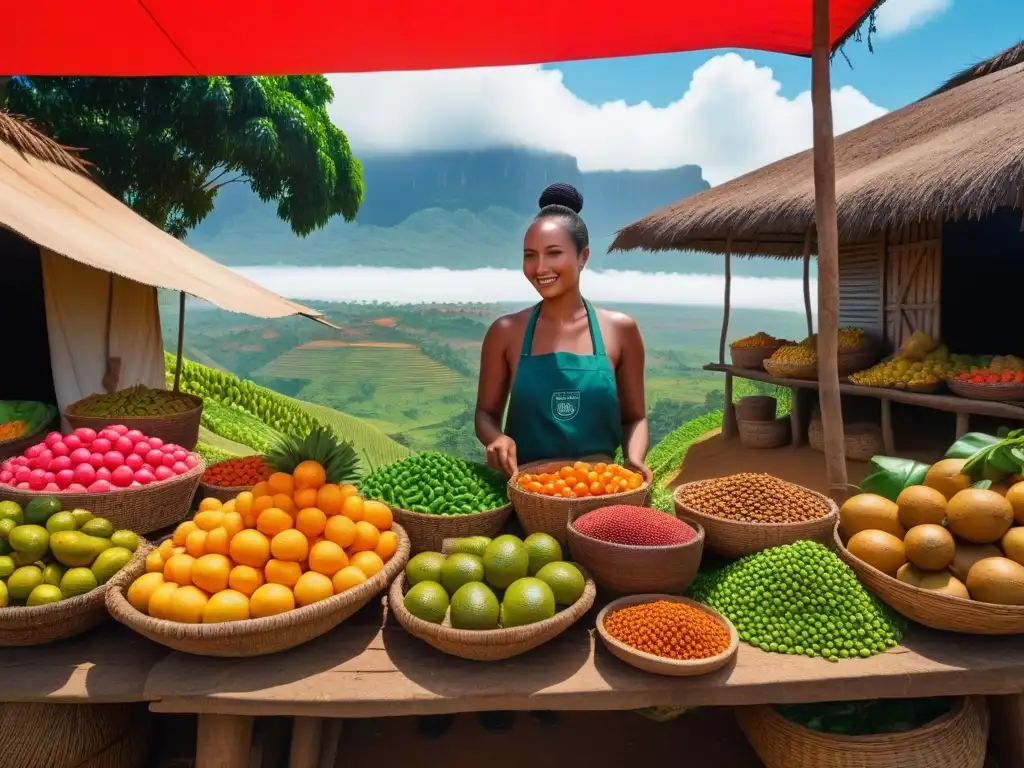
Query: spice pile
[134,401]
[580,480]
[759,339]
[799,599]
[245,471]
[13,430]
[669,630]
[634,526]
[753,498]
[436,484]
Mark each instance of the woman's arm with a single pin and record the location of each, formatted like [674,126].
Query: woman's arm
[632,403]
[491,396]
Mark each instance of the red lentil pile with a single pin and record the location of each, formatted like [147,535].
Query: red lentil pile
[753,498]
[637,526]
[246,470]
[669,630]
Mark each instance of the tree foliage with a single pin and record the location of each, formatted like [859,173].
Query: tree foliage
[166,145]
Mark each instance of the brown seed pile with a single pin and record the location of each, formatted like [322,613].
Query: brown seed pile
[669,630]
[754,498]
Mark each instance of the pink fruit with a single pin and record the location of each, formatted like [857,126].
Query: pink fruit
[80,456]
[144,477]
[163,473]
[37,480]
[35,450]
[60,463]
[180,454]
[133,461]
[156,442]
[85,434]
[22,474]
[7,466]
[168,460]
[100,486]
[65,478]
[96,460]
[50,476]
[112,460]
[192,461]
[77,488]
[20,461]
[134,435]
[180,467]
[85,474]
[122,477]
[141,448]
[60,449]
[6,476]
[53,437]
[101,445]
[108,434]
[24,486]
[155,457]
[51,488]
[124,446]
[121,429]
[103,473]
[135,484]
[73,442]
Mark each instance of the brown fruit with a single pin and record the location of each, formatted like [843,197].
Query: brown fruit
[997,580]
[968,554]
[945,582]
[869,511]
[929,547]
[1012,544]
[908,574]
[1016,498]
[878,549]
[977,516]
[920,505]
[947,477]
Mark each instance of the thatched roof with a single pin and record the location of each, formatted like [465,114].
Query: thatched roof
[957,153]
[1011,57]
[21,135]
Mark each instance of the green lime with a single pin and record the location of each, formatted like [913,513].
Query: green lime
[566,581]
[505,560]
[23,581]
[460,569]
[543,548]
[426,566]
[6,526]
[39,510]
[11,510]
[109,562]
[428,601]
[29,541]
[82,516]
[98,527]
[77,581]
[7,566]
[74,548]
[527,601]
[52,574]
[127,539]
[474,606]
[44,594]
[4,597]
[62,521]
[471,545]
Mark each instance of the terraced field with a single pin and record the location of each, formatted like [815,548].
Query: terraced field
[375,448]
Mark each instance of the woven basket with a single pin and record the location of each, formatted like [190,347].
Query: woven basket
[732,538]
[648,662]
[999,392]
[488,644]
[219,492]
[856,359]
[629,570]
[547,514]
[955,740]
[253,637]
[144,509]
[179,428]
[751,357]
[428,532]
[863,440]
[791,370]
[764,434]
[933,609]
[21,625]
[19,445]
[756,408]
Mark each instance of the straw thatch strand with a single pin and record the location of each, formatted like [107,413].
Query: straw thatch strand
[19,133]
[1011,57]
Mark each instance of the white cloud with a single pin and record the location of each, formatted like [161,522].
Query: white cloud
[898,16]
[731,118]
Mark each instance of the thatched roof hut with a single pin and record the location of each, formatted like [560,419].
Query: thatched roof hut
[23,137]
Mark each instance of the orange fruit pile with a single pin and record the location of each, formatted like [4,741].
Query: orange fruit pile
[575,481]
[291,541]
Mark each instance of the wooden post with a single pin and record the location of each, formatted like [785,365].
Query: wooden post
[807,281]
[828,253]
[223,741]
[729,428]
[181,339]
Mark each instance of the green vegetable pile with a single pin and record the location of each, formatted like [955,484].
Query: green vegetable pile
[212,454]
[238,425]
[437,484]
[799,599]
[866,718]
[34,414]
[139,400]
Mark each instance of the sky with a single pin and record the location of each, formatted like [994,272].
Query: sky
[729,111]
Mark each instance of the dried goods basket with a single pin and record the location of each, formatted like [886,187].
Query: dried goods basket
[547,514]
[19,445]
[733,538]
[751,357]
[862,439]
[954,740]
[999,392]
[253,637]
[488,644]
[853,359]
[930,608]
[428,532]
[764,434]
[179,428]
[655,664]
[785,370]
[629,570]
[756,408]
[22,626]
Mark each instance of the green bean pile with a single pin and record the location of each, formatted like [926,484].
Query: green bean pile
[437,484]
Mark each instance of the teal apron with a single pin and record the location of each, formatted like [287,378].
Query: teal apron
[564,405]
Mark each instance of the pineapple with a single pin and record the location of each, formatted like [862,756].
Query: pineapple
[339,459]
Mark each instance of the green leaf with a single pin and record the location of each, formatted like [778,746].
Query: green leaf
[891,475]
[982,485]
[970,444]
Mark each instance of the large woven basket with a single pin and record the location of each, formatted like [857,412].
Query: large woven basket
[428,532]
[756,408]
[751,357]
[855,359]
[253,637]
[179,428]
[791,370]
[19,445]
[143,509]
[733,538]
[21,625]
[933,609]
[954,740]
[548,514]
[999,392]
[765,434]
[623,569]
[863,440]
[488,644]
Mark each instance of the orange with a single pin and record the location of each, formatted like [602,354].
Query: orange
[245,579]
[243,502]
[233,523]
[327,558]
[218,542]
[155,562]
[348,490]
[347,578]
[304,497]
[314,540]
[270,600]
[250,548]
[142,589]
[366,537]
[377,514]
[284,501]
[229,506]
[195,543]
[289,545]
[311,521]
[329,498]
[208,519]
[187,604]
[367,562]
[209,503]
[211,572]
[281,572]
[260,489]
[311,588]
[182,532]
[179,569]
[387,546]
[309,474]
[160,600]
[261,503]
[179,551]
[228,605]
[280,482]
[353,508]
[166,549]
[341,530]
[272,521]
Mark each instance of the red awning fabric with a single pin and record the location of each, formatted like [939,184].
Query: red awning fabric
[243,37]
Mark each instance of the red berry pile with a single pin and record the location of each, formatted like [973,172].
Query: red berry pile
[636,526]
[985,376]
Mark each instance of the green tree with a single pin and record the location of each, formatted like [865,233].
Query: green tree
[166,145]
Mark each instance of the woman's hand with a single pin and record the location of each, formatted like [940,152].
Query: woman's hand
[638,466]
[501,455]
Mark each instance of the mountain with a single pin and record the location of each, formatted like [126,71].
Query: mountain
[461,210]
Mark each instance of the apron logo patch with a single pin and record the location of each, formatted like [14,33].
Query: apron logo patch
[565,404]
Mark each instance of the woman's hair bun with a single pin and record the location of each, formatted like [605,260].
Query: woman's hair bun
[562,194]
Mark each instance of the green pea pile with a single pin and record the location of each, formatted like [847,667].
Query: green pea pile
[799,599]
[437,484]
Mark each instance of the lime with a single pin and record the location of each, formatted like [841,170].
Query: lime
[426,566]
[6,526]
[11,510]
[460,569]
[44,594]
[428,601]
[39,510]
[73,548]
[7,566]
[21,583]
[471,545]
[527,601]
[127,539]
[62,521]
[566,581]
[109,562]
[29,541]
[474,606]
[98,527]
[77,581]
[52,574]
[4,598]
[543,548]
[82,516]
[505,560]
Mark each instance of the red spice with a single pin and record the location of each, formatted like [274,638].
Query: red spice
[638,526]
[245,470]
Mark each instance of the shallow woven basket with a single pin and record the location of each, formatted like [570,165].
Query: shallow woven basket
[954,740]
[144,509]
[857,359]
[764,434]
[791,370]
[547,514]
[624,569]
[751,357]
[488,644]
[219,492]
[756,408]
[19,445]
[253,637]
[21,625]
[648,662]
[999,392]
[179,428]
[428,532]
[863,440]
[933,609]
[732,538]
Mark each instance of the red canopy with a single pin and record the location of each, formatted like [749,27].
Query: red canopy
[188,37]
